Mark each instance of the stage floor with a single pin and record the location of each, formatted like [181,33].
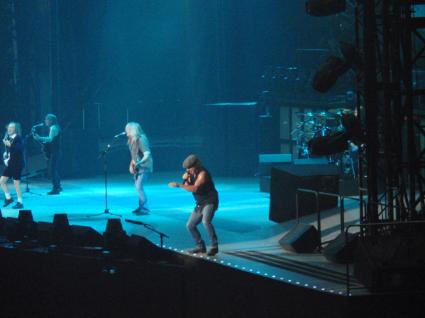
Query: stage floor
[248,239]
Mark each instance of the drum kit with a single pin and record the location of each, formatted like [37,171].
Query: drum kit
[313,124]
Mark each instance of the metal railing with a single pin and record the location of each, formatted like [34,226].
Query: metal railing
[317,194]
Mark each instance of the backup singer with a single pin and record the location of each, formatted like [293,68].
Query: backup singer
[14,161]
[141,164]
[198,180]
[51,149]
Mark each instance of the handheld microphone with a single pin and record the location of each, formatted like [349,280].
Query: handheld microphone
[120,134]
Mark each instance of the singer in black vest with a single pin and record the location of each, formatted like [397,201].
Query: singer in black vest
[14,161]
[199,181]
[51,148]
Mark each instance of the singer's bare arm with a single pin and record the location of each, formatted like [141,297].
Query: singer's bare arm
[200,180]
[54,131]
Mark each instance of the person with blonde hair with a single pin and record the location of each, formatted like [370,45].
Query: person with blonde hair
[141,164]
[14,162]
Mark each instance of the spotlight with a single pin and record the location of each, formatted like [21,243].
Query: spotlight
[321,8]
[328,74]
[335,67]
[350,54]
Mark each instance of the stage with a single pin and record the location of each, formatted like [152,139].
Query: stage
[248,240]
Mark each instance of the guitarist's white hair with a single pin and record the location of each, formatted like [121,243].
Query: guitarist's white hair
[135,131]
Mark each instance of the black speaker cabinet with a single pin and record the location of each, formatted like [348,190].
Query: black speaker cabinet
[86,236]
[341,250]
[302,238]
[286,180]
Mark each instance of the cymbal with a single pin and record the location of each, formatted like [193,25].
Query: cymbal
[233,104]
[307,114]
[340,111]
[325,115]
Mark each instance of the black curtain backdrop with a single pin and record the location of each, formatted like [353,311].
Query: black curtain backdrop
[98,64]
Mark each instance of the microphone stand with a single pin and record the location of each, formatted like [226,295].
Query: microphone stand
[150,228]
[103,155]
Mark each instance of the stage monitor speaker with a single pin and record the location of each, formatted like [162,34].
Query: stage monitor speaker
[286,180]
[115,237]
[143,249]
[44,233]
[86,236]
[341,250]
[54,233]
[20,229]
[302,238]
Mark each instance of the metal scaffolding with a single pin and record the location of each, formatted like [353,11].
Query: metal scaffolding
[390,106]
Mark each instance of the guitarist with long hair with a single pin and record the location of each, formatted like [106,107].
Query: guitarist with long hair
[141,164]
[51,149]
[14,162]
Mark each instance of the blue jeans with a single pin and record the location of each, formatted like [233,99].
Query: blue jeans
[140,178]
[205,215]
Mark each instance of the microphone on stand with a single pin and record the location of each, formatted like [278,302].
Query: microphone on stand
[36,126]
[120,134]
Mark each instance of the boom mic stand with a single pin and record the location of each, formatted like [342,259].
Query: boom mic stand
[150,228]
[103,155]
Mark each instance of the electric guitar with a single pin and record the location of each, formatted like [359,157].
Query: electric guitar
[45,146]
[6,153]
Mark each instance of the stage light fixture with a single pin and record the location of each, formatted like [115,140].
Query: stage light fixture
[334,67]
[328,74]
[322,8]
[350,54]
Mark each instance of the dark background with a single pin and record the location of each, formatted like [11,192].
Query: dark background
[100,63]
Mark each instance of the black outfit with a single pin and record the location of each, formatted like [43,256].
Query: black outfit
[52,150]
[207,193]
[206,198]
[16,162]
